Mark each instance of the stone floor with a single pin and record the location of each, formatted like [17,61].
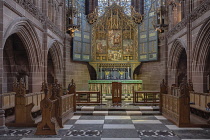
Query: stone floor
[114,127]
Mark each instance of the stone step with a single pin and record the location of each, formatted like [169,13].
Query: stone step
[117,113]
[118,108]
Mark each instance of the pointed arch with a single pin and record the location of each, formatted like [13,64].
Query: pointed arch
[55,50]
[202,48]
[26,32]
[175,53]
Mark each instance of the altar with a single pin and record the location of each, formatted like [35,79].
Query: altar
[105,87]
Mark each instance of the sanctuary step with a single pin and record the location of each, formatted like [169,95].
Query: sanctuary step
[118,108]
[117,113]
[126,108]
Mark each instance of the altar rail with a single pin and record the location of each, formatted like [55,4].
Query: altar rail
[199,103]
[105,86]
[146,97]
[88,97]
[175,107]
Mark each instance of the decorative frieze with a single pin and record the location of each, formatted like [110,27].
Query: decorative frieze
[198,12]
[33,10]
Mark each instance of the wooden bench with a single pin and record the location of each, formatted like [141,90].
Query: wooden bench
[56,110]
[199,105]
[8,103]
[23,106]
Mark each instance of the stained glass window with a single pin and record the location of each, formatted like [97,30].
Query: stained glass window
[148,37]
[102,4]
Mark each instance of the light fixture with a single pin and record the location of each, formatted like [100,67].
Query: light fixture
[160,25]
[73,22]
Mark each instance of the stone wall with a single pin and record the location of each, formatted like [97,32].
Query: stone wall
[191,33]
[75,70]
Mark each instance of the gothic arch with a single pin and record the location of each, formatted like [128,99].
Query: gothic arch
[202,48]
[201,56]
[176,68]
[56,53]
[175,53]
[26,32]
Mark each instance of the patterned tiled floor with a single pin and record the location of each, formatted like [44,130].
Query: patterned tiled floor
[125,109]
[106,127]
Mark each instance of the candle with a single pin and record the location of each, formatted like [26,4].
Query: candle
[101,72]
[128,73]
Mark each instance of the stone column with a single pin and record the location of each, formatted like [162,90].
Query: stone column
[170,16]
[189,40]
[91,5]
[2,117]
[138,5]
[45,5]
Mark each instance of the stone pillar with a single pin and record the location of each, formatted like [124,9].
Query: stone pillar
[66,56]
[189,40]
[44,43]
[2,117]
[182,9]
[137,4]
[91,5]
[170,16]
[141,7]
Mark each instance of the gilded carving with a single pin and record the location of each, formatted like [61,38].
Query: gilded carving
[137,17]
[92,17]
[114,36]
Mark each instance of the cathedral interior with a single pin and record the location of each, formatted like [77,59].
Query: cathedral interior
[105,69]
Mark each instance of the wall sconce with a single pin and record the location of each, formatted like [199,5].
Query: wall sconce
[161,26]
[71,29]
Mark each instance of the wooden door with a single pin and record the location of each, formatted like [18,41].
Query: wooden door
[116,93]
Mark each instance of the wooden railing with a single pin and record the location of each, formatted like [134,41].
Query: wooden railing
[88,97]
[146,97]
[66,107]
